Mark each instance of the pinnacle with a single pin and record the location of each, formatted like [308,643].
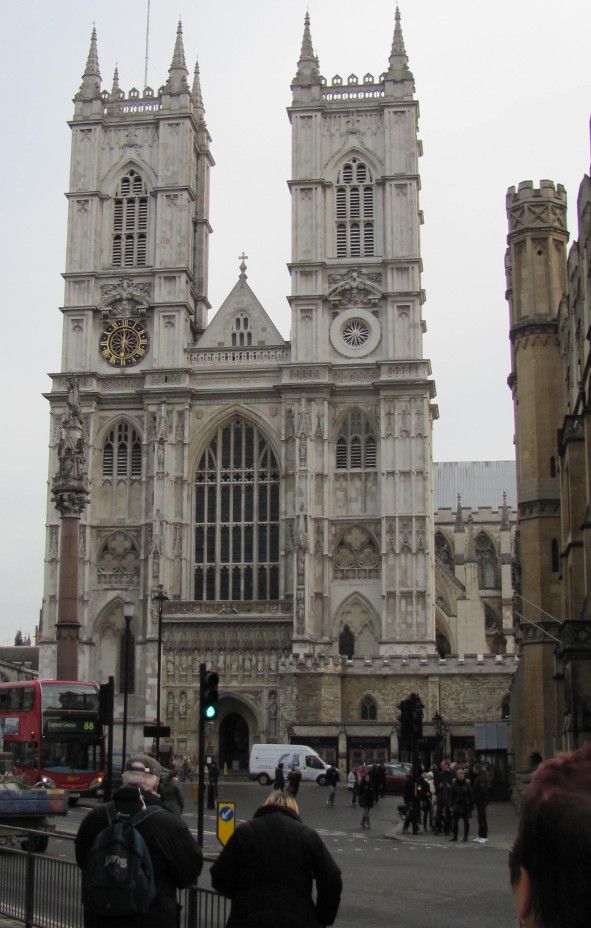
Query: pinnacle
[115,87]
[196,89]
[90,87]
[177,73]
[398,69]
[308,66]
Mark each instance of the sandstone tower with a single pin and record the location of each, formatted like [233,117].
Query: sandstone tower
[535,264]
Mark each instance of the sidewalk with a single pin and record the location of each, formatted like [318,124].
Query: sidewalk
[502,828]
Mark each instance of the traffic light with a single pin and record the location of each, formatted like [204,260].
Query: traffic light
[209,701]
[411,718]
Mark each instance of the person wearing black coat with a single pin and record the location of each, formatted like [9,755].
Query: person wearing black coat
[366,798]
[461,803]
[294,778]
[480,797]
[412,801]
[176,857]
[279,781]
[268,869]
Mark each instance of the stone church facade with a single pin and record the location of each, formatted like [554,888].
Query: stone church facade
[280,493]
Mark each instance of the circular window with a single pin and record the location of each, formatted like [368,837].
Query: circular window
[355,333]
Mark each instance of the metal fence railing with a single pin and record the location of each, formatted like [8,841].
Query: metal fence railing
[45,892]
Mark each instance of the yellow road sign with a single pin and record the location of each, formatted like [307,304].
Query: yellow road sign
[226,821]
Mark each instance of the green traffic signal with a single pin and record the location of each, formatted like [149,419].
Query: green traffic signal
[210,712]
[209,695]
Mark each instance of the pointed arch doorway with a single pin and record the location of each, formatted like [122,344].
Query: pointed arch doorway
[234,742]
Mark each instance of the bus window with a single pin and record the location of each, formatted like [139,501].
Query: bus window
[24,753]
[17,698]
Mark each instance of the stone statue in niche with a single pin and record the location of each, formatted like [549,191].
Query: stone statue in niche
[183,705]
[289,426]
[170,663]
[195,663]
[184,662]
[302,548]
[170,706]
[300,612]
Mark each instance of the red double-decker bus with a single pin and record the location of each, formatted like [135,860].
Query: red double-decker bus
[52,730]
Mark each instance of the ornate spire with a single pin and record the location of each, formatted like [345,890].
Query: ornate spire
[90,87]
[459,526]
[242,266]
[177,73]
[398,69]
[308,68]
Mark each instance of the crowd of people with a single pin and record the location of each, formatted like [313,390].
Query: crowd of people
[276,869]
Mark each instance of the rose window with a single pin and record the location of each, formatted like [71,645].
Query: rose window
[355,332]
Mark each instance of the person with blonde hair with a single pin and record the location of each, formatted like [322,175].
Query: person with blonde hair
[268,869]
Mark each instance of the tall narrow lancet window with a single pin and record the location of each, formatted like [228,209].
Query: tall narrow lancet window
[130,222]
[356,444]
[237,517]
[487,562]
[354,211]
[241,331]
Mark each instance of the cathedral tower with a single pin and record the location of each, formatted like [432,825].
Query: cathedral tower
[536,280]
[135,299]
[362,476]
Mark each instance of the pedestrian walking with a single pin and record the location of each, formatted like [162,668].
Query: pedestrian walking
[294,778]
[213,775]
[268,869]
[174,854]
[461,803]
[279,781]
[332,778]
[427,796]
[366,799]
[353,786]
[171,792]
[550,861]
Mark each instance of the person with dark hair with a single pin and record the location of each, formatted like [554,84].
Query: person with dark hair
[279,781]
[550,861]
[480,797]
[268,869]
[443,781]
[461,803]
[366,798]
[332,778]
[412,801]
[294,778]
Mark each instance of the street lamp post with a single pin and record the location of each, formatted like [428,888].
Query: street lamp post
[160,597]
[128,610]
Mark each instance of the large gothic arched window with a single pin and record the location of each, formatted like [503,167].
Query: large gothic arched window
[354,210]
[237,517]
[130,222]
[356,444]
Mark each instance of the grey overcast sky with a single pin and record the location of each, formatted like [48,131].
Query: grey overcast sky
[505,95]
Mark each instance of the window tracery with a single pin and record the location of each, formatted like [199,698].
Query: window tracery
[368,709]
[122,452]
[237,517]
[356,447]
[443,551]
[357,556]
[241,331]
[487,562]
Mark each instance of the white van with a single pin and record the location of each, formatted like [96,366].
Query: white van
[265,757]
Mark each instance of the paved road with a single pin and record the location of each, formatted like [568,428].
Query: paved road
[389,879]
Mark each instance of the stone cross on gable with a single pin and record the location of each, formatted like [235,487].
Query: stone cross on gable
[243,259]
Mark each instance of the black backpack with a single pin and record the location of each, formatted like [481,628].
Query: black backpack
[118,878]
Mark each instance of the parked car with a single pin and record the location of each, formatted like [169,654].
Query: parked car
[396,775]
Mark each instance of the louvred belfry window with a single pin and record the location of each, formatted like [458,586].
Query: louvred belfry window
[130,222]
[356,447]
[237,517]
[122,452]
[354,211]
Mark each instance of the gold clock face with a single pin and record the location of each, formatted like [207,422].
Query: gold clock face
[124,342]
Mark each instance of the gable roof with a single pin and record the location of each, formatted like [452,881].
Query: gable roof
[241,299]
